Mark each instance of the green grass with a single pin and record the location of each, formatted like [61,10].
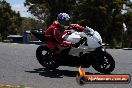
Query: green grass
[10,86]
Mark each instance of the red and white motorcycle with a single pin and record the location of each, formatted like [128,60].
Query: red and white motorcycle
[88,52]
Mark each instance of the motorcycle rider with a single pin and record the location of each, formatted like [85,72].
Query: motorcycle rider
[55,33]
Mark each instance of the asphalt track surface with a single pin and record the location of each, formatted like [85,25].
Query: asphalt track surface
[18,66]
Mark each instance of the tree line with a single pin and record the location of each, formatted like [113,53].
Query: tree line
[105,16]
[11,22]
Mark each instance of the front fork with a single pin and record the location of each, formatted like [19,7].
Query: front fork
[100,51]
[98,54]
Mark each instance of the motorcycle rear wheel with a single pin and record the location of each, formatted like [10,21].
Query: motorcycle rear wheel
[47,60]
[104,64]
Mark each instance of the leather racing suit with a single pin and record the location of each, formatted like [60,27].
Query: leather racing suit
[54,35]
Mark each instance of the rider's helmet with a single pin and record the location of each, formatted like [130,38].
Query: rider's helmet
[63,19]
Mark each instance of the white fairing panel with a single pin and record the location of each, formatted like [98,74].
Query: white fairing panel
[74,37]
[93,42]
[93,39]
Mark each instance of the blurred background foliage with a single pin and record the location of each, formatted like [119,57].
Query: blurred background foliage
[105,16]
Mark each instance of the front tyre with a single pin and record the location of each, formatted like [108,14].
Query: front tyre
[104,63]
[45,58]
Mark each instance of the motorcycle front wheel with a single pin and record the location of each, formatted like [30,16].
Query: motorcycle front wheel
[104,63]
[45,58]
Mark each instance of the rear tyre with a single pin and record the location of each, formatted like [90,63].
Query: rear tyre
[46,58]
